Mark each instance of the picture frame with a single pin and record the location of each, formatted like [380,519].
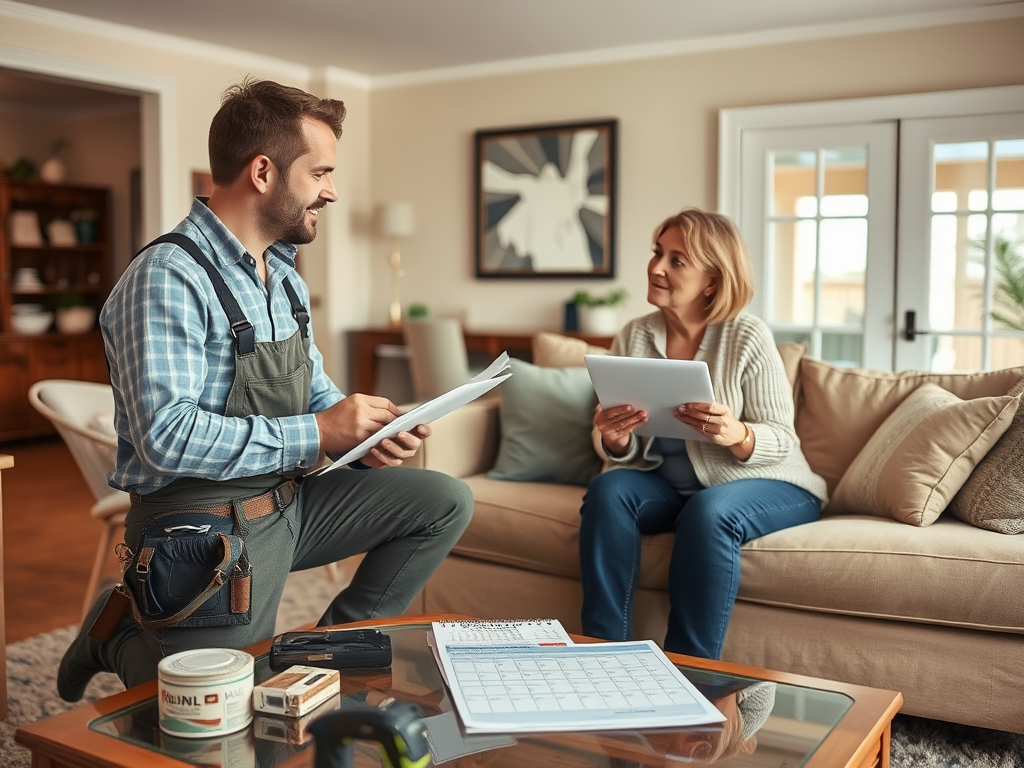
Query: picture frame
[545,200]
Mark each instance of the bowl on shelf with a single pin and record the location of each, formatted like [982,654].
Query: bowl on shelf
[75,319]
[31,322]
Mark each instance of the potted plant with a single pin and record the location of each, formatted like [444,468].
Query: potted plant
[599,315]
[74,313]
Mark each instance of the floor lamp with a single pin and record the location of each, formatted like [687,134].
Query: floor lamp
[398,221]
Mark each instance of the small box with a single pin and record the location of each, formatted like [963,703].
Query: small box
[296,691]
[291,730]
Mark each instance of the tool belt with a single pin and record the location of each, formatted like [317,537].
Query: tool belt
[190,568]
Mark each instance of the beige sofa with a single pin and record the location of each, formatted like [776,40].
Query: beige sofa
[934,610]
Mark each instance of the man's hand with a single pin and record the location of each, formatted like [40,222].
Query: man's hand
[347,423]
[392,451]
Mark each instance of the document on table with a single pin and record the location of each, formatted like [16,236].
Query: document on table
[424,413]
[500,631]
[533,688]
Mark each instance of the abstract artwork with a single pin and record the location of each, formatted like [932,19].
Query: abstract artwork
[545,201]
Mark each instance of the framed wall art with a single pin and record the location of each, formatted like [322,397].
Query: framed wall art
[545,200]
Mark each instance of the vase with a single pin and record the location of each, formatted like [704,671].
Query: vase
[599,321]
[53,171]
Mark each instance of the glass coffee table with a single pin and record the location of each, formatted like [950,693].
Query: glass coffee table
[773,720]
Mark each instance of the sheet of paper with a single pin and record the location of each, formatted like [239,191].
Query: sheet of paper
[424,413]
[500,631]
[586,687]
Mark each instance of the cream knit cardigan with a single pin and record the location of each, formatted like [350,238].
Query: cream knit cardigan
[747,375]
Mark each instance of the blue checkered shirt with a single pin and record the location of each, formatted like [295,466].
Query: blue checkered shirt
[171,356]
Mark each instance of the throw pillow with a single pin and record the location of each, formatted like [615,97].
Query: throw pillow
[546,415]
[841,408]
[922,454]
[993,496]
[552,350]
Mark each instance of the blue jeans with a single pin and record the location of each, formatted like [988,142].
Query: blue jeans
[621,505]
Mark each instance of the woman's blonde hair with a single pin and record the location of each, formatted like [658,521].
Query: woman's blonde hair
[714,244]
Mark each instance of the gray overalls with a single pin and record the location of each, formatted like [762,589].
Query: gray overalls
[405,520]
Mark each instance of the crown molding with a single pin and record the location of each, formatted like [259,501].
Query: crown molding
[245,59]
[123,33]
[1008,10]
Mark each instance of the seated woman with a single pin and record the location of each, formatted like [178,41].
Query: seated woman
[748,479]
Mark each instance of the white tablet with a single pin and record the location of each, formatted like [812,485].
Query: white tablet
[654,385]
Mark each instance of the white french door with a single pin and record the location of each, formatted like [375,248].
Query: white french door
[883,232]
[960,281]
[818,214]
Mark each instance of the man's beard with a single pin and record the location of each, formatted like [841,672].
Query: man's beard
[284,218]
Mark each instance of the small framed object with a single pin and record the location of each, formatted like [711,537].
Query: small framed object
[545,200]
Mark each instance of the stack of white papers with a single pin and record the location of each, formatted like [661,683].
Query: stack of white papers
[424,413]
[515,685]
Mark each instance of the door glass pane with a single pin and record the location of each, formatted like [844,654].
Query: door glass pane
[843,262]
[960,168]
[1009,186]
[1008,274]
[846,174]
[1007,352]
[957,272]
[792,269]
[951,354]
[842,349]
[793,177]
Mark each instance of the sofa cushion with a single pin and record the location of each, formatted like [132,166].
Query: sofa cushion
[546,415]
[535,526]
[552,350]
[948,573]
[922,454]
[993,496]
[841,408]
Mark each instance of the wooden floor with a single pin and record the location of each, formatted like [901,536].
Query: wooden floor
[49,538]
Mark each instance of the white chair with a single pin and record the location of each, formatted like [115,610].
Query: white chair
[438,360]
[80,411]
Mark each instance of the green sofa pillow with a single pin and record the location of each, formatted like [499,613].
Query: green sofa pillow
[546,415]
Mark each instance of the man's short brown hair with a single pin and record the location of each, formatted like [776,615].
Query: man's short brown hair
[261,117]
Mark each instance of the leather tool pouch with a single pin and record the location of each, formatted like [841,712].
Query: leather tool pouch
[189,570]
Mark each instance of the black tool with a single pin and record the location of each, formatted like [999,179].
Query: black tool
[333,649]
[402,736]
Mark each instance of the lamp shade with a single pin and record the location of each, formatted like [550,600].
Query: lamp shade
[398,219]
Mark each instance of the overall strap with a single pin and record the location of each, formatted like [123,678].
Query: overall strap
[299,311]
[241,328]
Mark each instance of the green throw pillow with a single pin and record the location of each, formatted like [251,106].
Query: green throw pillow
[546,416]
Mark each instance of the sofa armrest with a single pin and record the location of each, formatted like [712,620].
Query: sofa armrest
[464,442]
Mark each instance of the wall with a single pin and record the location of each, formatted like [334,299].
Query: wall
[667,110]
[415,143]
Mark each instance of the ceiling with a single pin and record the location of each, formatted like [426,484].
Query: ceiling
[376,38]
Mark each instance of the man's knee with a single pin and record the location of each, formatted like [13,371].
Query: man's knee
[449,500]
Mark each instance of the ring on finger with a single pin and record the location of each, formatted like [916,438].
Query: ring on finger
[708,420]
[705,427]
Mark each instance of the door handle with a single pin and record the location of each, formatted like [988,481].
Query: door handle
[910,329]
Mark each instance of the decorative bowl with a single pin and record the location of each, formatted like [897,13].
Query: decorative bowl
[35,322]
[75,319]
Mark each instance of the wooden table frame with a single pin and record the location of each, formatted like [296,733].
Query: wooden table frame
[861,739]
[363,345]
[6,462]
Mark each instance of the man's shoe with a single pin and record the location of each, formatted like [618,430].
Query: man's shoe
[82,658]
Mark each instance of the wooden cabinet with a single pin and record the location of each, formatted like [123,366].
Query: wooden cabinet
[47,264]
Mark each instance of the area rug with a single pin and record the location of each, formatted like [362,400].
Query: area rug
[32,695]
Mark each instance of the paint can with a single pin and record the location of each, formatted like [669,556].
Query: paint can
[205,692]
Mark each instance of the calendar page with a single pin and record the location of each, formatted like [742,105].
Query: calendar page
[539,631]
[505,683]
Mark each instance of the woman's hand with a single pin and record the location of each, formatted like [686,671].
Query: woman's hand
[718,424]
[616,425]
